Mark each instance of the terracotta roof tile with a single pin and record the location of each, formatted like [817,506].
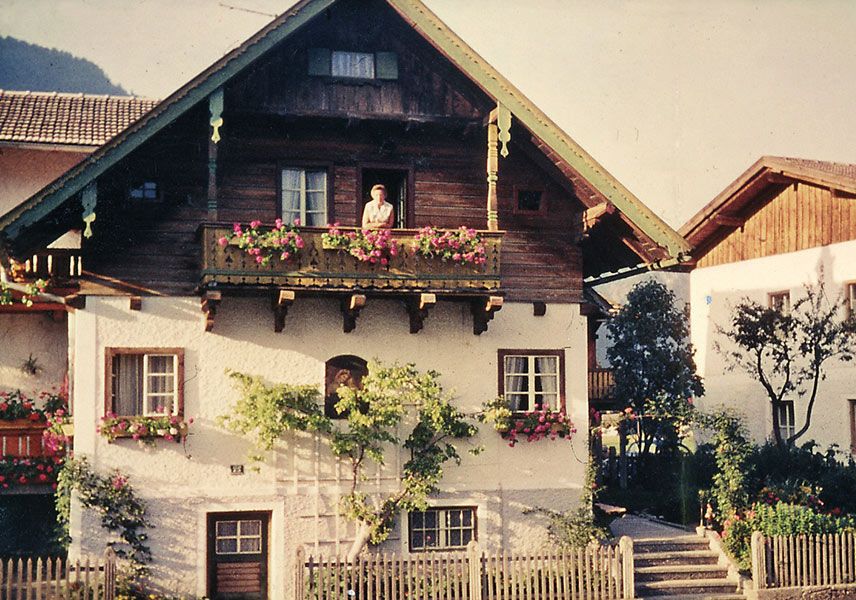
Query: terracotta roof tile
[61,118]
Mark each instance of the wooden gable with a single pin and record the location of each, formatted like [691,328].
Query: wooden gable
[777,206]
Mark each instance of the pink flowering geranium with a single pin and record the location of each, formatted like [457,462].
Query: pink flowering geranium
[281,241]
[375,246]
[538,425]
[144,429]
[24,471]
[461,246]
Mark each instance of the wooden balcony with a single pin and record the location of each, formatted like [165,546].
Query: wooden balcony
[330,270]
[601,384]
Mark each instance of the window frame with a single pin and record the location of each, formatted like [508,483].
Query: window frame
[306,166]
[785,294]
[502,353]
[443,530]
[789,407]
[143,201]
[542,206]
[850,298]
[111,352]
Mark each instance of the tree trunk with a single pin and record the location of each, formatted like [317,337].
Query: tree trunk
[364,532]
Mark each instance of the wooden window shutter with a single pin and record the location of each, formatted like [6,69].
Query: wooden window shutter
[386,65]
[319,61]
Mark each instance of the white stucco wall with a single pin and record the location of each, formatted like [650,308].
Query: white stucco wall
[301,483]
[24,171]
[715,290]
[39,335]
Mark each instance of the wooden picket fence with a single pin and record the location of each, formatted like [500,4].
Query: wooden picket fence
[799,561]
[58,579]
[598,572]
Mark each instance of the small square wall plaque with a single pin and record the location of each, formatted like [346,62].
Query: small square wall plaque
[237,469]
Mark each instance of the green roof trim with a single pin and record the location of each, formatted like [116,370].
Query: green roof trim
[434,30]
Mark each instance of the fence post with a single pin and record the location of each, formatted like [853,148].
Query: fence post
[299,580]
[759,560]
[625,545]
[109,574]
[475,569]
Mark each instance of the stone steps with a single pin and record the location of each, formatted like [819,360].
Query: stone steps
[678,571]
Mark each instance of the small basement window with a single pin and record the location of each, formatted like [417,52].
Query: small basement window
[146,191]
[442,528]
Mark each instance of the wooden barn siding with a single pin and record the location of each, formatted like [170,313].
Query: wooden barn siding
[427,84]
[800,216]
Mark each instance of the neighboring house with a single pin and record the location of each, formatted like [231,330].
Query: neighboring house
[300,121]
[765,237]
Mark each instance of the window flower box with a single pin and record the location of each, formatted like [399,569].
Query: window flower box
[15,471]
[147,429]
[530,426]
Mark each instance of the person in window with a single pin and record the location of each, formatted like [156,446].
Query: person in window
[378,213]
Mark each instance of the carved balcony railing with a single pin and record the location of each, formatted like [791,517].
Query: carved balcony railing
[601,384]
[22,439]
[334,270]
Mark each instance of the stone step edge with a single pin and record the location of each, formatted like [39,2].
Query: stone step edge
[709,596]
[667,555]
[682,583]
[679,569]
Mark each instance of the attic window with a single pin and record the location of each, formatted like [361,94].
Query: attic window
[353,65]
[145,191]
[529,201]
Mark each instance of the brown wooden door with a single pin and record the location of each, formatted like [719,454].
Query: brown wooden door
[238,555]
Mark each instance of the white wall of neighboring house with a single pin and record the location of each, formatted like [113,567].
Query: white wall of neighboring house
[301,483]
[37,335]
[26,170]
[715,290]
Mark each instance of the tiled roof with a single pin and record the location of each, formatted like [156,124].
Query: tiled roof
[61,118]
[833,168]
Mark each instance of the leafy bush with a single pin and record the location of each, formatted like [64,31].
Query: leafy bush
[777,519]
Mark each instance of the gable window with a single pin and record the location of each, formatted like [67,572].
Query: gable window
[532,379]
[529,201]
[346,64]
[441,528]
[787,424]
[145,382]
[345,370]
[304,196]
[146,191]
[780,301]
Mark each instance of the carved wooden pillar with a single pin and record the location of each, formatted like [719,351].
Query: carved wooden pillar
[89,198]
[215,109]
[492,172]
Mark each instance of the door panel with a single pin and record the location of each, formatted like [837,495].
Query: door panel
[238,555]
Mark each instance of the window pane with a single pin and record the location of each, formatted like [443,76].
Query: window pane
[227,528]
[416,519]
[517,402]
[161,364]
[251,545]
[416,540]
[546,364]
[431,540]
[516,365]
[430,519]
[467,537]
[468,518]
[353,64]
[227,546]
[516,383]
[454,537]
[454,518]
[251,528]
[316,181]
[127,384]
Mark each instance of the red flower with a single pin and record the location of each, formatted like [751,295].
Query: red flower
[22,479]
[43,477]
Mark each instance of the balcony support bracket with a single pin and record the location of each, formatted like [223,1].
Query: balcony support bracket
[281,303]
[210,302]
[483,310]
[417,308]
[351,307]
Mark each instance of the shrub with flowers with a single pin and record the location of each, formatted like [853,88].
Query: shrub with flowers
[375,246]
[56,437]
[462,246]
[144,429]
[17,405]
[531,425]
[16,471]
[282,241]
[26,297]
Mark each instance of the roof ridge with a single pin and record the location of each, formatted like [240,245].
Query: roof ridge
[810,160]
[56,94]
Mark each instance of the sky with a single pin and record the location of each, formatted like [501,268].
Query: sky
[676,98]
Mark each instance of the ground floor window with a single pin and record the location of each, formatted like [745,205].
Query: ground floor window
[442,528]
[787,424]
[532,379]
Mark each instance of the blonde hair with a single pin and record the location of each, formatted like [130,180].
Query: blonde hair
[379,186]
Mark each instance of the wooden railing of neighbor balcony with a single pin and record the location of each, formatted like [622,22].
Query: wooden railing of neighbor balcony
[800,561]
[318,268]
[22,439]
[594,573]
[58,579]
[601,383]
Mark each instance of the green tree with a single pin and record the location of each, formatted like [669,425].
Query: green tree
[652,360]
[371,418]
[788,350]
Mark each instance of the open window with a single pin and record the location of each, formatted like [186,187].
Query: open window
[396,182]
[145,382]
[345,370]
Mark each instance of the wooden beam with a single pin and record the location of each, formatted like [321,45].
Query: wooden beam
[136,303]
[351,307]
[539,309]
[728,220]
[483,310]
[590,217]
[281,303]
[210,302]
[417,309]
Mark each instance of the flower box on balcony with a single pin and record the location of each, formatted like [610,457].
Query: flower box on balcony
[23,423]
[317,268]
